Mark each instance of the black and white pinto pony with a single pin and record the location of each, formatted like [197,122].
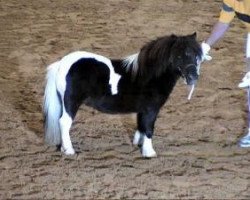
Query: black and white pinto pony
[140,83]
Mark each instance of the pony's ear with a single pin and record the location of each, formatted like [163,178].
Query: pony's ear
[194,36]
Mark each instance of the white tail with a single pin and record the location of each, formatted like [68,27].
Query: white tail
[52,107]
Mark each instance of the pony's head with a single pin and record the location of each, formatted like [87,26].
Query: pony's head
[185,58]
[173,55]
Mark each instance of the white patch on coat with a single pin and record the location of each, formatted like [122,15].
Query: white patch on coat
[67,61]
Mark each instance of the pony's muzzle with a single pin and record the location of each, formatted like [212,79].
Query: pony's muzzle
[191,75]
[191,80]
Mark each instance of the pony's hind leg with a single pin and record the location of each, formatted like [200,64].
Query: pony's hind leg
[65,123]
[71,104]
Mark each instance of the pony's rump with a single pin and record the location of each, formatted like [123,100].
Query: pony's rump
[57,84]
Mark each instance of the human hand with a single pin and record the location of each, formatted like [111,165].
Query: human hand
[205,50]
[245,81]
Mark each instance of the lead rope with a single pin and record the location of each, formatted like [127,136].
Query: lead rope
[248,69]
[191,92]
[248,102]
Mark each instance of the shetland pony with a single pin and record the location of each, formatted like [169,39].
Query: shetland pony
[140,83]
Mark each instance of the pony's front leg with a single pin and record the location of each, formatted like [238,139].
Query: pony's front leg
[65,124]
[145,131]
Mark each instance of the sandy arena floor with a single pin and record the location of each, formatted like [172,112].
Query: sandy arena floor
[196,141]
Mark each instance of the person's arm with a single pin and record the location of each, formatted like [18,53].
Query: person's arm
[218,32]
[226,16]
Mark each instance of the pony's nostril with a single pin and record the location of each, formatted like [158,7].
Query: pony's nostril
[191,80]
[193,76]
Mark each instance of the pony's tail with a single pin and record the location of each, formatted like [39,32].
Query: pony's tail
[52,107]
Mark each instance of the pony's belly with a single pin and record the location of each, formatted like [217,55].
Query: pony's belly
[111,104]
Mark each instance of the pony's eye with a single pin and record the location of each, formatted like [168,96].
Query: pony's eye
[187,53]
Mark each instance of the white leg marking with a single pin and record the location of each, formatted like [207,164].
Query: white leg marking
[147,148]
[65,124]
[138,138]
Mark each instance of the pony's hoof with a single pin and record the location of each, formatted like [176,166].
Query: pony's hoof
[149,153]
[69,151]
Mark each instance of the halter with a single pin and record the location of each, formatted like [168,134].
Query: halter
[192,87]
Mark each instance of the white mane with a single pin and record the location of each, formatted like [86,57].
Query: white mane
[131,62]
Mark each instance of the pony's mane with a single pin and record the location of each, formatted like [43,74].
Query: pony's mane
[153,54]
[131,63]
[153,58]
